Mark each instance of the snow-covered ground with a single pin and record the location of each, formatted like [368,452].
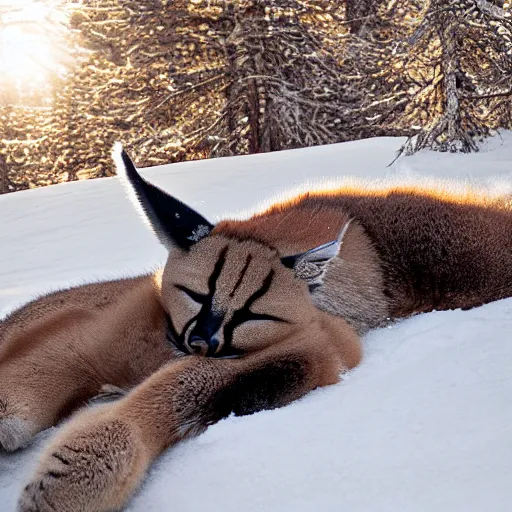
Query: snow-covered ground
[424,424]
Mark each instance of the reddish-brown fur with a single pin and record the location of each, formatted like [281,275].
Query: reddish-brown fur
[437,250]
[404,251]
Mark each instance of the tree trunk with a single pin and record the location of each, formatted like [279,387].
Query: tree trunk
[452,106]
[448,133]
[3,176]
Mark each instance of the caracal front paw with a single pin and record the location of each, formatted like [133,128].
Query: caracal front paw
[93,466]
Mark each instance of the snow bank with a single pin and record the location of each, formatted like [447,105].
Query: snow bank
[425,423]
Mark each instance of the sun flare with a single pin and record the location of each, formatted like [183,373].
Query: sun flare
[34,49]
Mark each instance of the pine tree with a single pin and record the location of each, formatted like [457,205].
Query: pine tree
[187,79]
[284,87]
[472,65]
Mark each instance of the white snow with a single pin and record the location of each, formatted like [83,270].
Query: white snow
[424,424]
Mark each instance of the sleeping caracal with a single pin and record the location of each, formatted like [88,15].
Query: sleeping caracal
[275,303]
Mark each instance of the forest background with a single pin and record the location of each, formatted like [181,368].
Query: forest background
[179,80]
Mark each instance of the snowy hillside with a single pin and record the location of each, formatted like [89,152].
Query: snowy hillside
[424,424]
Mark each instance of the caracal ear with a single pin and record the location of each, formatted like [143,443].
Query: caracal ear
[173,222]
[312,265]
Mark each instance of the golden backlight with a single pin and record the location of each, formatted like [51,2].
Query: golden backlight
[34,45]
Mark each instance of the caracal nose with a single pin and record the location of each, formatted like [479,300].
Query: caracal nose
[198,345]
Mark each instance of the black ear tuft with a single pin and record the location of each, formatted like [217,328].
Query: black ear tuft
[173,222]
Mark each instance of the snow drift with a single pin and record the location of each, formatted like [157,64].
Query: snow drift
[425,423]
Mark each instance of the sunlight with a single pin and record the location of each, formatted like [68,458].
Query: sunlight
[33,46]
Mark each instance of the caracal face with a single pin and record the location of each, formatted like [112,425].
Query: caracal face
[228,297]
